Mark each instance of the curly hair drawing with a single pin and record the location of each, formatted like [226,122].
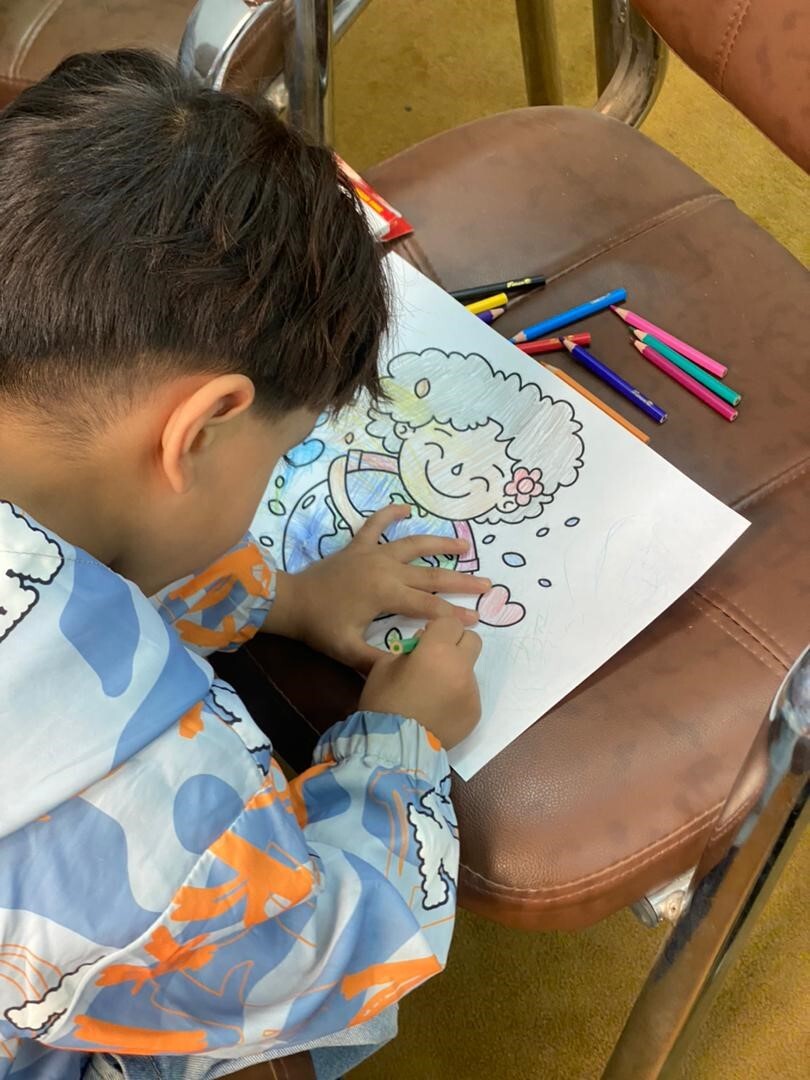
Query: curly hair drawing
[496,452]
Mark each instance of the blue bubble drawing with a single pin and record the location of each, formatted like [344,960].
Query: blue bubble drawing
[543,532]
[488,538]
[571,522]
[544,583]
[276,506]
[308,501]
[266,541]
[305,453]
[279,482]
[513,558]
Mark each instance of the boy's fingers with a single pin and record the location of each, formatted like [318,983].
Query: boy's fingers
[470,645]
[415,547]
[443,631]
[375,526]
[424,605]
[445,581]
[365,656]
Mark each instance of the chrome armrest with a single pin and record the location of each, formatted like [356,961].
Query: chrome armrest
[217,35]
[721,903]
[248,45]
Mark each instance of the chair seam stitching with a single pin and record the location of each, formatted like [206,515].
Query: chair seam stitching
[729,40]
[780,664]
[657,848]
[719,601]
[742,811]
[673,213]
[767,487]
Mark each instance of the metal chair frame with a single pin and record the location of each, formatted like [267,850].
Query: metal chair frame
[630,57]
[711,909]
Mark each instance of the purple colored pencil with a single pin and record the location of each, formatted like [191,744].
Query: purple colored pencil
[491,316]
[615,381]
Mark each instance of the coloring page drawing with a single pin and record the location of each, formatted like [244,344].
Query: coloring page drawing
[485,444]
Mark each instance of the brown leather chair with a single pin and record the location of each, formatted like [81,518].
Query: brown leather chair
[648,768]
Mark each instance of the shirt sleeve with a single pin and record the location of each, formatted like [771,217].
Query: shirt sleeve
[321,904]
[222,607]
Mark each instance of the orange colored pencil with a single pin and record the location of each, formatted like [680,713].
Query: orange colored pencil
[639,434]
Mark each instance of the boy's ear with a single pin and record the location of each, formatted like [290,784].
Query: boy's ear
[192,426]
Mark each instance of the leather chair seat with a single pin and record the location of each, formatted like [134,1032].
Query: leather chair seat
[620,787]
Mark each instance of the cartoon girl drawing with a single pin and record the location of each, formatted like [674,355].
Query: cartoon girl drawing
[459,441]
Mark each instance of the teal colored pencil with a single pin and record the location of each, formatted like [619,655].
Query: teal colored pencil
[697,373]
[406,645]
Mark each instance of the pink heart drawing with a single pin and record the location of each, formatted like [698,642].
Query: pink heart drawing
[495,608]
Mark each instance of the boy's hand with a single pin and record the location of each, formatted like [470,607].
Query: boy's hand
[331,603]
[435,684]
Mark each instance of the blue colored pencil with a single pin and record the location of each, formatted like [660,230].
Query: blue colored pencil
[574,314]
[620,385]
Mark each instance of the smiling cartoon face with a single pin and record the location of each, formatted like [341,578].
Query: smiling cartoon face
[453,474]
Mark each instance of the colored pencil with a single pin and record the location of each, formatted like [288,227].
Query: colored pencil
[616,382]
[697,373]
[689,351]
[574,314]
[490,316]
[566,378]
[686,381]
[406,645]
[465,296]
[552,344]
[498,300]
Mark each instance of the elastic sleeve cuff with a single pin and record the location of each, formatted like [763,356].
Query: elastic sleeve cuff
[386,739]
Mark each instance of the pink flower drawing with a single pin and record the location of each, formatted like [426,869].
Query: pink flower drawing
[524,485]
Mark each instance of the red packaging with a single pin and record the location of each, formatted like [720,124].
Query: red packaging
[386,223]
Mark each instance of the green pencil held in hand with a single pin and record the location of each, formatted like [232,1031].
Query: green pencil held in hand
[406,645]
[697,373]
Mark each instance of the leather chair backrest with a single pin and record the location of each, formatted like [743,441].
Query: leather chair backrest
[756,53]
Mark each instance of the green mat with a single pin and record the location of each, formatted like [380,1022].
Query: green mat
[522,1006]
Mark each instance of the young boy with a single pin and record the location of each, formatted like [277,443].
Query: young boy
[185,286]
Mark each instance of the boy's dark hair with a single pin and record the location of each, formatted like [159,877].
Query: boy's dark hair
[148,227]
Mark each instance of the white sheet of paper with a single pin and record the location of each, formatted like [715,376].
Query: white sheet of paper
[587,533]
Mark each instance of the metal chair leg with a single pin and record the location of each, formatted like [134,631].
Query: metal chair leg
[609,25]
[538,43]
[630,61]
[724,902]
[308,66]
[270,43]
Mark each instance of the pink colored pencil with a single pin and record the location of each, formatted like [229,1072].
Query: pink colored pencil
[686,381]
[689,351]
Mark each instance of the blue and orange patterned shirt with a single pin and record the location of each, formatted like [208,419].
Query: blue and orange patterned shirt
[163,889]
